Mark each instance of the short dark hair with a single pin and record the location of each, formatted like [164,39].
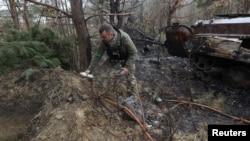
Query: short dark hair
[106,27]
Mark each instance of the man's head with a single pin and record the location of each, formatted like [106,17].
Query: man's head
[106,32]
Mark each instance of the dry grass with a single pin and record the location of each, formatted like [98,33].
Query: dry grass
[212,99]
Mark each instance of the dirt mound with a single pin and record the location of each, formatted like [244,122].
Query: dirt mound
[63,106]
[50,105]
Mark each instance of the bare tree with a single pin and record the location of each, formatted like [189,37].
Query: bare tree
[115,8]
[173,6]
[25,15]
[214,7]
[14,14]
[82,33]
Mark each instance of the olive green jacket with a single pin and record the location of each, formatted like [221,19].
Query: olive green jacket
[127,43]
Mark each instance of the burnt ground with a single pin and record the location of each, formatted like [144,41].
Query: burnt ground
[54,104]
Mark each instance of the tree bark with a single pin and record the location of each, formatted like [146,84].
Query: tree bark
[82,34]
[25,15]
[14,13]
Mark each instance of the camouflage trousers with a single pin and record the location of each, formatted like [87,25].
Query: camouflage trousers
[110,75]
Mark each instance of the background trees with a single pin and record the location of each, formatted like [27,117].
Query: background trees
[76,21]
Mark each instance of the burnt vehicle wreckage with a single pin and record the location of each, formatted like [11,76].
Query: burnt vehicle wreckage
[220,43]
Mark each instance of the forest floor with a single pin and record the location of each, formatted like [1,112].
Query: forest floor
[54,104]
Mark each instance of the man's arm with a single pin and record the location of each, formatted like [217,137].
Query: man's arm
[132,50]
[95,59]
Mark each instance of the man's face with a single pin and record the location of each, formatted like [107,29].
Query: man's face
[106,36]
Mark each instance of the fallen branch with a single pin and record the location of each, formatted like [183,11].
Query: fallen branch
[210,108]
[128,111]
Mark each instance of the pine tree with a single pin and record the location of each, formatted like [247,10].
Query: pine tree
[37,48]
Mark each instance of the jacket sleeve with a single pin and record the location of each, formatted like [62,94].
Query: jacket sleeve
[96,57]
[132,50]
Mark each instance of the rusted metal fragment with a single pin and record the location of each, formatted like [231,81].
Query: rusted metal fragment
[176,36]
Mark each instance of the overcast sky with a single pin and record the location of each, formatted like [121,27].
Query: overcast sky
[3,5]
